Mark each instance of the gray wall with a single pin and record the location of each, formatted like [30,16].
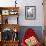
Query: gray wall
[37,29]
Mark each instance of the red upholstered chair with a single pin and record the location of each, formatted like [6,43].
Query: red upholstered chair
[29,33]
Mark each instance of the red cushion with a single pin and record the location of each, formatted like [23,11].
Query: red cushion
[29,33]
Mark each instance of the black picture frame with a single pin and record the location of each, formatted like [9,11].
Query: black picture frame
[30,12]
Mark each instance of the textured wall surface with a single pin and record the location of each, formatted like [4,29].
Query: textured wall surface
[39,13]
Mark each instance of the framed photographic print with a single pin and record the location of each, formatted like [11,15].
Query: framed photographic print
[30,12]
[5,12]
